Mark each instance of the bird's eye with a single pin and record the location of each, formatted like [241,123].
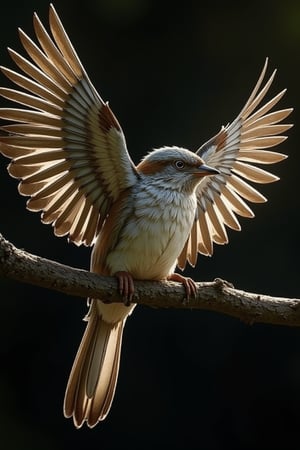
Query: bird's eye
[179,164]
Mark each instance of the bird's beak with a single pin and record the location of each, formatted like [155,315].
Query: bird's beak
[205,170]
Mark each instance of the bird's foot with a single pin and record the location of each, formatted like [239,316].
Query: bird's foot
[126,286]
[189,284]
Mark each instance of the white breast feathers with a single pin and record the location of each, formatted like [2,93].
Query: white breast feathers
[154,234]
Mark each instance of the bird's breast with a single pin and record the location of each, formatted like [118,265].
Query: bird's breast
[154,233]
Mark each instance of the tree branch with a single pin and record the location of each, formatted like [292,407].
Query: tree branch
[219,295]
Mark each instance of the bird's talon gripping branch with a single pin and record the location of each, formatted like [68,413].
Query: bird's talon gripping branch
[126,286]
[189,285]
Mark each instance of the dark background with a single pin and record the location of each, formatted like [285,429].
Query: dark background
[173,73]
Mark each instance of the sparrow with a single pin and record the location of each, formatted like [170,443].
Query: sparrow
[69,152]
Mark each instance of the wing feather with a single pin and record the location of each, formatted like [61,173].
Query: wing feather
[67,147]
[206,233]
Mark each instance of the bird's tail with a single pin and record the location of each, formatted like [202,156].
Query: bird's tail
[94,374]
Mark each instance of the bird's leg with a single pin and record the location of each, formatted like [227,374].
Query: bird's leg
[126,286]
[188,283]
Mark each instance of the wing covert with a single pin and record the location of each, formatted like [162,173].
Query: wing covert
[234,151]
[66,145]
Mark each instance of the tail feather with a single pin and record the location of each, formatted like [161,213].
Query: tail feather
[71,394]
[94,374]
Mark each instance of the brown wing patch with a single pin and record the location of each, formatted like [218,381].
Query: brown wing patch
[107,119]
[220,139]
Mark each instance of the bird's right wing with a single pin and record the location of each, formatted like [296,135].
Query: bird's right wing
[67,147]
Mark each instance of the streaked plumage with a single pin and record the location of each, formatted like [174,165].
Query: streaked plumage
[69,152]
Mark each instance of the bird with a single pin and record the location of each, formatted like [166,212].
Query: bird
[142,221]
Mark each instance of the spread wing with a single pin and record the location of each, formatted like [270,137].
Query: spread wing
[67,147]
[234,151]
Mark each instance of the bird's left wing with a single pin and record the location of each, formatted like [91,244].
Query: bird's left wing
[233,151]
[67,147]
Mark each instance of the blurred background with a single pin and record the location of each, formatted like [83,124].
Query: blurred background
[174,72]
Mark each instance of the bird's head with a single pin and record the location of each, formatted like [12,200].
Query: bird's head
[175,167]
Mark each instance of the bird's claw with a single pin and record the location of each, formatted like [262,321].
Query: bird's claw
[189,285]
[126,286]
